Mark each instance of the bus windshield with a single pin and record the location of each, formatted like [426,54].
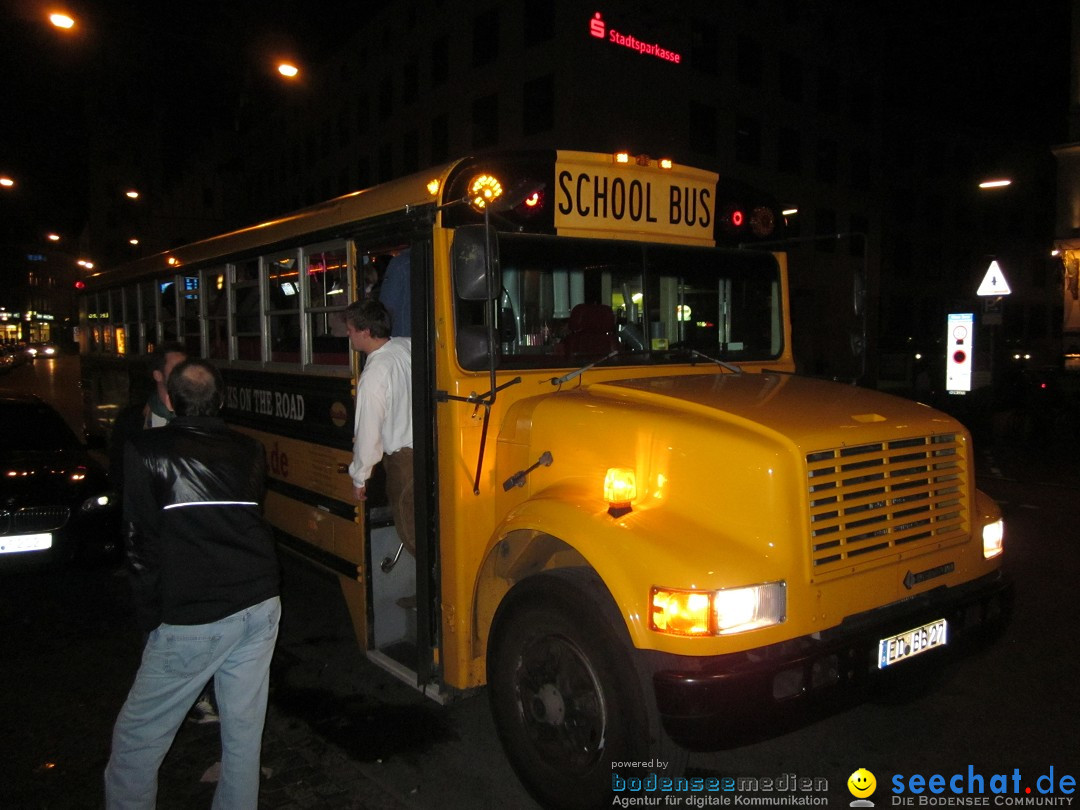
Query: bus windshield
[567,301]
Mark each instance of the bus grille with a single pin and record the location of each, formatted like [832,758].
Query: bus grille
[33,519]
[875,499]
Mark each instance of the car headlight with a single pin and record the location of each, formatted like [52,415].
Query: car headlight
[714,613]
[97,503]
[993,539]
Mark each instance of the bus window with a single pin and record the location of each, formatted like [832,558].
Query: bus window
[116,320]
[726,305]
[190,318]
[98,313]
[169,310]
[326,273]
[284,308]
[131,320]
[217,313]
[148,316]
[561,301]
[247,313]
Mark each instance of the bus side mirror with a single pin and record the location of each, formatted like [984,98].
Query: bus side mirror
[471,262]
[472,348]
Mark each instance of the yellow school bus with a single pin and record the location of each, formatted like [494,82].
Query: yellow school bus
[637,526]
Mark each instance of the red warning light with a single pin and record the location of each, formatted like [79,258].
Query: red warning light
[737,218]
[80,285]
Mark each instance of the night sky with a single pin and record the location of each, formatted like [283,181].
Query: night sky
[1001,65]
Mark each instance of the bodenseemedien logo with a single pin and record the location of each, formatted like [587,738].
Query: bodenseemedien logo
[862,785]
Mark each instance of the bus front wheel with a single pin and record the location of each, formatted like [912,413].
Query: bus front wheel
[565,694]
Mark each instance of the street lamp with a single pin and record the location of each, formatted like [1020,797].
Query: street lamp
[999,183]
[288,70]
[7,182]
[61,20]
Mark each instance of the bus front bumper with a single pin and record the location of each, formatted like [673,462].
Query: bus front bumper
[721,699]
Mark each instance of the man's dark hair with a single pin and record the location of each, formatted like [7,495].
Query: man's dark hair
[157,357]
[369,314]
[195,388]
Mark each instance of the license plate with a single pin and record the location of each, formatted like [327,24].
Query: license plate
[905,645]
[18,543]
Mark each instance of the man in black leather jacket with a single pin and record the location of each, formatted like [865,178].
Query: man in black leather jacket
[205,579]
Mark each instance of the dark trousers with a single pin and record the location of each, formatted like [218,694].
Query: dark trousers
[399,491]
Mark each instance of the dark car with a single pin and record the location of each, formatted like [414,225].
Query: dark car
[55,501]
[14,355]
[42,351]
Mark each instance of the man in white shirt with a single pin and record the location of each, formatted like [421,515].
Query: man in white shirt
[383,426]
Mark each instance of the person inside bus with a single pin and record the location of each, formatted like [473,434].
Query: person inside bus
[383,426]
[154,412]
[395,295]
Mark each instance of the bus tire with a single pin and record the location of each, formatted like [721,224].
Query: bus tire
[565,695]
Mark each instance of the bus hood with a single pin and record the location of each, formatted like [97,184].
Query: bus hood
[807,411]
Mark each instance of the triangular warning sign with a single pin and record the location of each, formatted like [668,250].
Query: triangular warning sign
[994,282]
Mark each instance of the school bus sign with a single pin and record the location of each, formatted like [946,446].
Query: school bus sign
[599,197]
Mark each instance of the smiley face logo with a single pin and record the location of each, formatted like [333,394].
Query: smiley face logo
[861,783]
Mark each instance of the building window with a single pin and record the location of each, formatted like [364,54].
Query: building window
[789,151]
[857,244]
[343,129]
[748,62]
[440,61]
[825,158]
[539,22]
[538,105]
[860,169]
[703,131]
[386,97]
[485,121]
[410,83]
[386,163]
[748,141]
[485,37]
[825,225]
[791,77]
[705,47]
[828,89]
[410,152]
[440,138]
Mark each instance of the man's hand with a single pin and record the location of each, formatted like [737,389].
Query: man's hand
[360,493]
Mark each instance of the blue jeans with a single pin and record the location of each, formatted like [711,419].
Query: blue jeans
[177,662]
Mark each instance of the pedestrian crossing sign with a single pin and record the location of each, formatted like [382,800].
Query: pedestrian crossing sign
[994,282]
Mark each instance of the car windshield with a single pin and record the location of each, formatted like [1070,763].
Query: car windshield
[566,302]
[33,426]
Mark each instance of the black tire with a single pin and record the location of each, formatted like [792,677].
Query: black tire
[566,698]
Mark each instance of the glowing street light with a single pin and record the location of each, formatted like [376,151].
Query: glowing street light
[7,182]
[288,70]
[131,194]
[999,183]
[53,237]
[62,20]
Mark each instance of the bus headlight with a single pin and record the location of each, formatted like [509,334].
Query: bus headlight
[714,613]
[993,539]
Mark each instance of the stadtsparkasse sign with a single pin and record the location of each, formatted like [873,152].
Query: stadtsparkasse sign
[599,29]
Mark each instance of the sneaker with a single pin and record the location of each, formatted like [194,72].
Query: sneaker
[203,712]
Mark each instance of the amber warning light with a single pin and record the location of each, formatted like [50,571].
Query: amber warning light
[620,488]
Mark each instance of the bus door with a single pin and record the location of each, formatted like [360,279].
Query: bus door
[399,596]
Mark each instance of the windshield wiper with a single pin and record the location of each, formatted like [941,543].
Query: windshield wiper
[734,369]
[578,372]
